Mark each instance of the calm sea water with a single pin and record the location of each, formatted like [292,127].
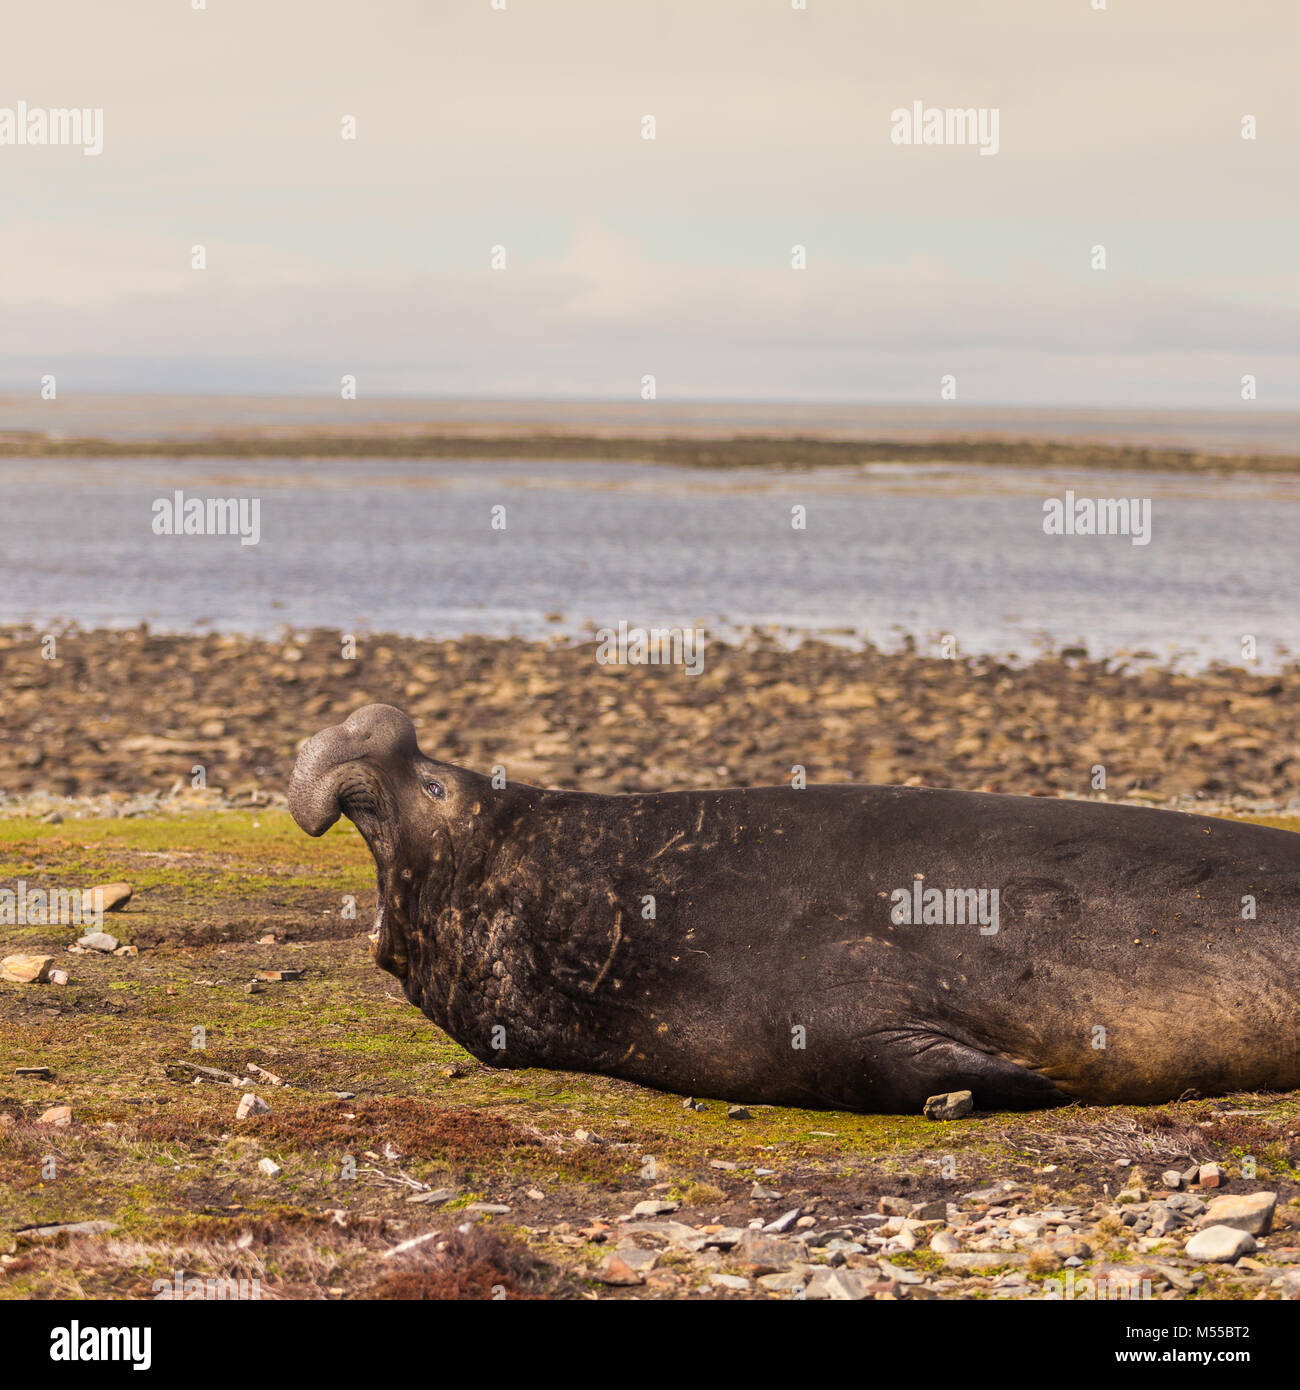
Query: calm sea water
[888,553]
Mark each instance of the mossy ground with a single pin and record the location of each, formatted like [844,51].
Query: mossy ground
[165,1160]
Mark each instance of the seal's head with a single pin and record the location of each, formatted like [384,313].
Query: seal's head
[406,806]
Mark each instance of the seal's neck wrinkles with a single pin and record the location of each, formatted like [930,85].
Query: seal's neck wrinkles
[414,890]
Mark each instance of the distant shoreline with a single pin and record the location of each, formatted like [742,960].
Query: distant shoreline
[735,451]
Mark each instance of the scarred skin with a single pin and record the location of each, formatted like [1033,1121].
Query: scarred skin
[1121,970]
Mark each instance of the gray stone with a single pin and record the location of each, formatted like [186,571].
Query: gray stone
[98,941]
[435,1198]
[1251,1212]
[995,1193]
[634,1257]
[985,1259]
[71,1228]
[1163,1221]
[952,1105]
[615,1270]
[759,1254]
[1221,1244]
[839,1285]
[723,1239]
[654,1207]
[1174,1275]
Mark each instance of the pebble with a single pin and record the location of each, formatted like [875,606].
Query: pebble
[1210,1175]
[899,1274]
[1219,1244]
[98,941]
[839,1285]
[251,1105]
[105,897]
[270,1167]
[1069,1247]
[26,970]
[952,1105]
[636,1259]
[56,1115]
[985,1259]
[616,1271]
[990,1194]
[654,1207]
[71,1228]
[1252,1212]
[757,1253]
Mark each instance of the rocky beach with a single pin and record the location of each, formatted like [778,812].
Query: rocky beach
[123,716]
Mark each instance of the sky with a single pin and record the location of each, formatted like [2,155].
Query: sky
[625,258]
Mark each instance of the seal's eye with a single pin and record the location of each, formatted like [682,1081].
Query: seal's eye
[432,787]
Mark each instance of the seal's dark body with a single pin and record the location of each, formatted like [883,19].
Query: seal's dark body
[772,914]
[1123,968]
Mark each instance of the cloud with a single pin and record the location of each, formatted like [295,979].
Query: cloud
[671,256]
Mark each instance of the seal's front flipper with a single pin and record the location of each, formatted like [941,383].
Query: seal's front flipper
[910,1067]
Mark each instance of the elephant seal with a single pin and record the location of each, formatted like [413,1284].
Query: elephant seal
[826,947]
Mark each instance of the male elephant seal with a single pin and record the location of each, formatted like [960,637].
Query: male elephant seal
[853,947]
